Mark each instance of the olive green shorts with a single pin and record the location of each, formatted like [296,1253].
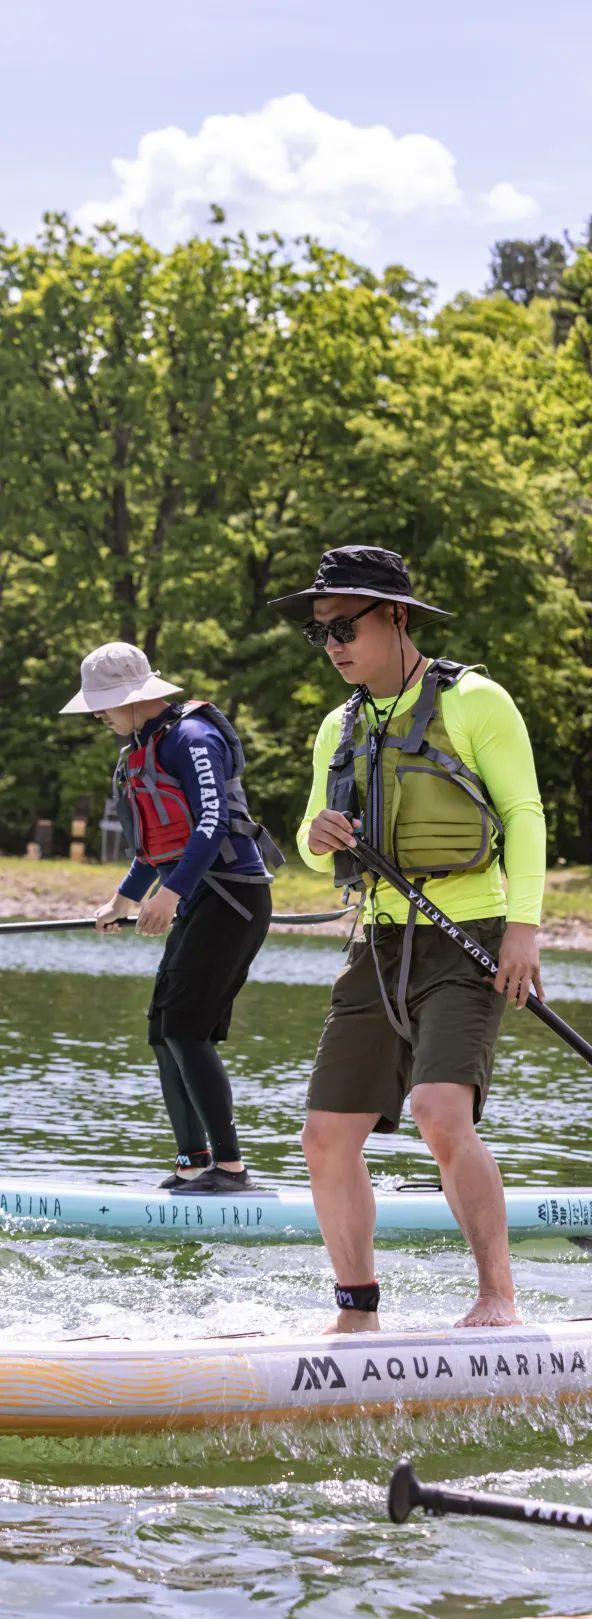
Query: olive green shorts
[363,1065]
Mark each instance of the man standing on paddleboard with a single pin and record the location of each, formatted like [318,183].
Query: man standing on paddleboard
[434,761]
[182,806]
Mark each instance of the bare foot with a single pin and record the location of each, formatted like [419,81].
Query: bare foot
[491,1310]
[354,1321]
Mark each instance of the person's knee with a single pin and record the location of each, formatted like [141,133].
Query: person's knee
[442,1125]
[316,1141]
[331,1140]
[322,1140]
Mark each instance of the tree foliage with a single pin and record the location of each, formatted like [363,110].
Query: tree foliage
[184,433]
[527,269]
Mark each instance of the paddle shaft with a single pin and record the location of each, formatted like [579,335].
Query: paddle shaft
[406,1492]
[53,925]
[381,866]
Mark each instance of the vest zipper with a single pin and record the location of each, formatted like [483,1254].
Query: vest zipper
[376,804]
[370,778]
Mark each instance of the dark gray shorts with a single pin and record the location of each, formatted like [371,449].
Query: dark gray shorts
[363,1065]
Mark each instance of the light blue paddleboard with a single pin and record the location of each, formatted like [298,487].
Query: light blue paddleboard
[542,1211]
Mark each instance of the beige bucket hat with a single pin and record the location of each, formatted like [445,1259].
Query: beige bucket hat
[113,675]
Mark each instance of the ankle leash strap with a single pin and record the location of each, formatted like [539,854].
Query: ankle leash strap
[365,1297]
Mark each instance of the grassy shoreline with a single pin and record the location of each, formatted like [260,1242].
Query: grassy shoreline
[33,889]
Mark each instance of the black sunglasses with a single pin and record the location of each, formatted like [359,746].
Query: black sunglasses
[340,628]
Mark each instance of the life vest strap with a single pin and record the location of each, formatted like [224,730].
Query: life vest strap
[217,885]
[148,785]
[454,767]
[405,968]
[218,882]
[400,1024]
[423,711]
[227,850]
[440,675]
[343,751]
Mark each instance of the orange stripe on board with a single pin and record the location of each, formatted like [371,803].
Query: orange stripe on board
[181,1420]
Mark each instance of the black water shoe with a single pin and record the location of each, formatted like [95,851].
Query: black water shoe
[185,1161]
[173,1183]
[220,1180]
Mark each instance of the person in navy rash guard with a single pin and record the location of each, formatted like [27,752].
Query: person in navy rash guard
[183,808]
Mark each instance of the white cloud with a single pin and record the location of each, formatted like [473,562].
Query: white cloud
[505,205]
[288,167]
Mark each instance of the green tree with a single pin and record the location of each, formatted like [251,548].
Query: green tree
[566,409]
[462,470]
[175,438]
[184,433]
[527,269]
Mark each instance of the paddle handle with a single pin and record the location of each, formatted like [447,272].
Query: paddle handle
[381,866]
[406,1492]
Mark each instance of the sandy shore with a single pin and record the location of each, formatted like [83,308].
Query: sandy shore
[33,900]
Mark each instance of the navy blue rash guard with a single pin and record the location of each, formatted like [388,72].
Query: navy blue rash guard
[195,752]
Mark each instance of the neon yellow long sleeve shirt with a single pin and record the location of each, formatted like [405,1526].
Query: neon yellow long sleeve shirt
[488,733]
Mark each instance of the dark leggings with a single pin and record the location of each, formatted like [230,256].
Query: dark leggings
[197,1097]
[205,964]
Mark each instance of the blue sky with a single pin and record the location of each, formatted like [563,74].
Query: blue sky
[416,133]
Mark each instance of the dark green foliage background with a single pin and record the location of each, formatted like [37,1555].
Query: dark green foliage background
[182,434]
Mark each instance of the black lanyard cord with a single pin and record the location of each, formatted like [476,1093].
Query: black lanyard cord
[382,725]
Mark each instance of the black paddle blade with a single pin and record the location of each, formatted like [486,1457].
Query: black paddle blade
[406,1492]
[403,1493]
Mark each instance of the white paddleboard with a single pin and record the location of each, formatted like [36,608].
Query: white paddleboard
[94,1385]
[541,1211]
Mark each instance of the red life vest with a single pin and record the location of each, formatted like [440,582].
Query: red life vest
[154,810]
[152,806]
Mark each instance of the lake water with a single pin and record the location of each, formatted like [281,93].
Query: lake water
[278,1521]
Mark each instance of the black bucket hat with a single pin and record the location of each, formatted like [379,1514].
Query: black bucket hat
[358,570]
